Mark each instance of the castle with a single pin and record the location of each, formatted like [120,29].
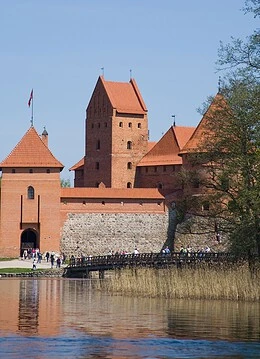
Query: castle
[124,187]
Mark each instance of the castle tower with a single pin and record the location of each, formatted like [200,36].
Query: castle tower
[30,197]
[116,134]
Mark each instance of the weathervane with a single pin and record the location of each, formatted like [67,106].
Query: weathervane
[173,116]
[219,84]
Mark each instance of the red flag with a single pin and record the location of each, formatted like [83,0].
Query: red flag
[30,99]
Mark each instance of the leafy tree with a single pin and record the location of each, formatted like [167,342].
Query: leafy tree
[65,182]
[230,152]
[227,161]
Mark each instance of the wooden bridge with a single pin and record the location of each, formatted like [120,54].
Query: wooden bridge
[84,266]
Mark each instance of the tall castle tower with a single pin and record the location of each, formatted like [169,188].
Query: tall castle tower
[116,134]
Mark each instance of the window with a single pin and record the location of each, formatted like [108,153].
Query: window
[130,124]
[129,185]
[97,165]
[48,170]
[30,170]
[30,192]
[146,169]
[129,145]
[98,145]
[129,165]
[160,186]
[164,168]
[196,183]
[13,170]
[224,184]
[155,168]
[205,206]
[105,124]
[120,124]
[92,125]
[103,202]
[98,125]
[139,125]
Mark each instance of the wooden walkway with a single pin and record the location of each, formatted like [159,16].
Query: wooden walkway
[84,266]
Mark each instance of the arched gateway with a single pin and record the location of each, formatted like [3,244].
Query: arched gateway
[29,240]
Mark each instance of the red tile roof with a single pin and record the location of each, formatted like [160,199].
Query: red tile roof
[125,97]
[129,193]
[198,135]
[165,151]
[31,151]
[78,165]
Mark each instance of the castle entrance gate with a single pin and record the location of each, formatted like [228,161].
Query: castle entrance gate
[28,240]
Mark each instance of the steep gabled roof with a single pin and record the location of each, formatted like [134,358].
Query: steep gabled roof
[165,151]
[31,151]
[125,97]
[201,130]
[103,193]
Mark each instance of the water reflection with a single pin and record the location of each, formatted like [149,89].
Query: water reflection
[214,320]
[74,317]
[28,307]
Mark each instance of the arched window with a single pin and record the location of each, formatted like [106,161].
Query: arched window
[98,145]
[120,124]
[129,185]
[159,185]
[30,192]
[139,125]
[129,145]
[130,124]
[129,165]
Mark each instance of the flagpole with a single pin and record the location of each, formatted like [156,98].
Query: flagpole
[32,113]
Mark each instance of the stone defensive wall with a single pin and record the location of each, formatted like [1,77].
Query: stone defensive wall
[98,224]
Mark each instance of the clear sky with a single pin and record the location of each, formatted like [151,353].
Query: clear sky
[58,47]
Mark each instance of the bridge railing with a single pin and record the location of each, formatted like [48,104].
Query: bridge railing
[147,259]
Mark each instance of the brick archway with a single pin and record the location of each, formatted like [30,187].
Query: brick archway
[29,240]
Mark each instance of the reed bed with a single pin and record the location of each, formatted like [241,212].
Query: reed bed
[232,282]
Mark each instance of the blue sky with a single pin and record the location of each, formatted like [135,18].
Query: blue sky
[58,47]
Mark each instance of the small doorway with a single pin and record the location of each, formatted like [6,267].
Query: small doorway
[28,240]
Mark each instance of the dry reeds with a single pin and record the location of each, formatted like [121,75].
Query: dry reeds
[233,282]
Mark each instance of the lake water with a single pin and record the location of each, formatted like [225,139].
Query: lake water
[66,318]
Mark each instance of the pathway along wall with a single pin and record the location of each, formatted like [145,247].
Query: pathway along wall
[100,233]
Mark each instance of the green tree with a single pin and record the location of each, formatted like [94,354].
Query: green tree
[228,157]
[230,153]
[65,182]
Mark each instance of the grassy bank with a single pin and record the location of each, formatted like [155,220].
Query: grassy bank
[233,282]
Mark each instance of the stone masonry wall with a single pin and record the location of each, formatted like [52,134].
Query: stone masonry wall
[100,233]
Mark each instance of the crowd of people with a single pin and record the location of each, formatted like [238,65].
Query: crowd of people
[34,254]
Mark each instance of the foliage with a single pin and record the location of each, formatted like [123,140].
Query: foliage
[230,148]
[232,156]
[65,183]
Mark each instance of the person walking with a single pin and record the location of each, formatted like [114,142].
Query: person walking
[34,264]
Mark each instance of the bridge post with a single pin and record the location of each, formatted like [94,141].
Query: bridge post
[88,274]
[101,274]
